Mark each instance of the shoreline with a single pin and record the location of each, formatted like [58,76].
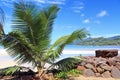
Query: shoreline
[81,51]
[7,61]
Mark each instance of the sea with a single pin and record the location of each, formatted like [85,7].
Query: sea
[77,50]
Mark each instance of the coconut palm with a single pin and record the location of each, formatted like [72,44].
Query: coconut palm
[2,17]
[29,40]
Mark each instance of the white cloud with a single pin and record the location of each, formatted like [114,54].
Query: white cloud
[102,13]
[77,6]
[88,28]
[78,2]
[40,1]
[77,9]
[86,21]
[97,22]
[51,1]
[105,35]
[82,15]
[56,2]
[8,3]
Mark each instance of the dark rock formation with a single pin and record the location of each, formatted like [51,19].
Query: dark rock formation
[106,53]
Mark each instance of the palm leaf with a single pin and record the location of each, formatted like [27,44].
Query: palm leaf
[15,70]
[18,47]
[67,63]
[35,24]
[10,70]
[56,49]
[2,17]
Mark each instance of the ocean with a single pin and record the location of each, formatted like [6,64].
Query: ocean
[76,50]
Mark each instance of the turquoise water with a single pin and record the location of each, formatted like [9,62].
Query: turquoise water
[77,47]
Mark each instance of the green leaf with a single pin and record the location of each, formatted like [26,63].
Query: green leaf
[56,49]
[67,63]
[10,70]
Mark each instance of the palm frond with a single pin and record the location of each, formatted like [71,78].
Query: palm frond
[67,63]
[16,70]
[23,18]
[56,49]
[10,70]
[2,18]
[35,24]
[44,22]
[18,47]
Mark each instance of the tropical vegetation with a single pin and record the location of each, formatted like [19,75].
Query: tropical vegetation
[66,74]
[100,41]
[30,38]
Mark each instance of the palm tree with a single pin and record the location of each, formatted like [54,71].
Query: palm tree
[2,17]
[29,40]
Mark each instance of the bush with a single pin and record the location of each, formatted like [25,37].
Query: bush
[64,74]
[74,72]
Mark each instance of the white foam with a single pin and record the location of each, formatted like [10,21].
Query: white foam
[80,52]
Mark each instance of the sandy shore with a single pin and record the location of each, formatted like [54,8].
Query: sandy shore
[6,60]
[93,78]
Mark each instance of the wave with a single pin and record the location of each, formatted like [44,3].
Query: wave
[80,51]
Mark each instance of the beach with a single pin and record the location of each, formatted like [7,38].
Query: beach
[69,51]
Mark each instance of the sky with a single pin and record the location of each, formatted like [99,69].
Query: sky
[100,17]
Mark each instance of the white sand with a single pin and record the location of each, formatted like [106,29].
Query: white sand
[6,60]
[93,78]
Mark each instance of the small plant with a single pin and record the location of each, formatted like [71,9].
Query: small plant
[62,75]
[74,72]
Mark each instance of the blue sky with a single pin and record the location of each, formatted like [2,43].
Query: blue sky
[99,17]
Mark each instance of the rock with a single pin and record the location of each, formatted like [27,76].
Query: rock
[111,62]
[83,63]
[106,67]
[89,66]
[101,63]
[88,73]
[118,66]
[106,53]
[81,68]
[94,70]
[117,58]
[106,74]
[100,70]
[115,72]
[100,67]
[97,75]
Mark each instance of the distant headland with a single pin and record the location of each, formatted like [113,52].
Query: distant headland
[99,41]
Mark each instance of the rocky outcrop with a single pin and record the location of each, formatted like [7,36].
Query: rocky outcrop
[100,67]
[88,72]
[106,53]
[115,72]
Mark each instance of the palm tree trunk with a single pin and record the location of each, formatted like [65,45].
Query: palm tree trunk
[40,69]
